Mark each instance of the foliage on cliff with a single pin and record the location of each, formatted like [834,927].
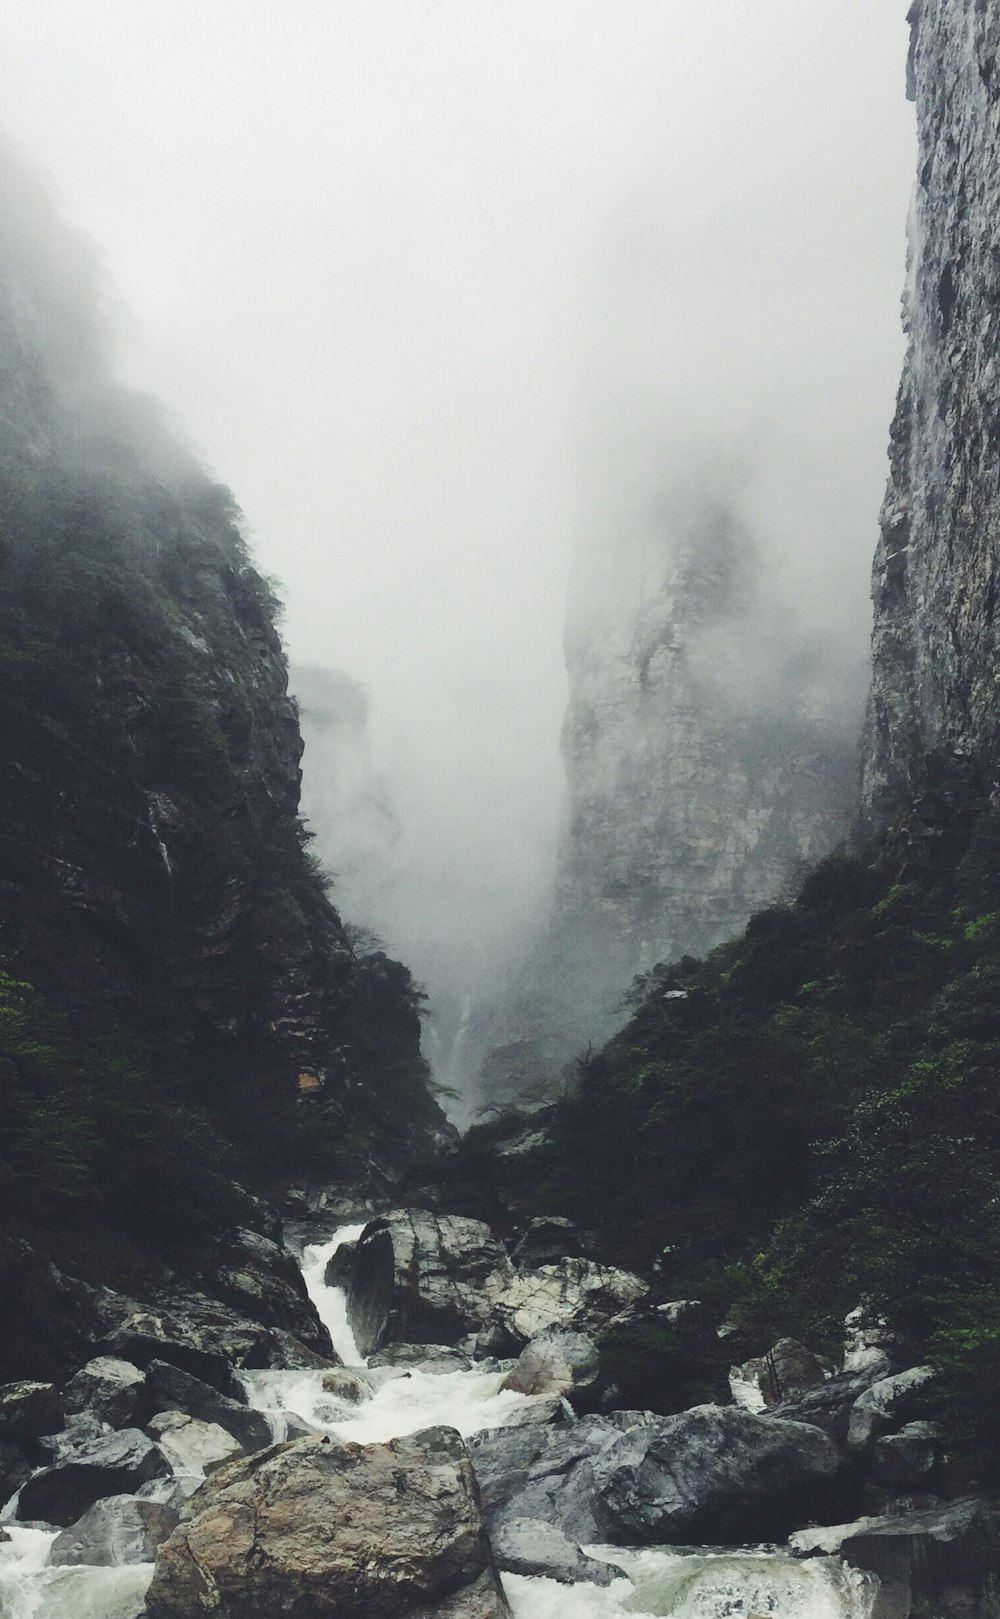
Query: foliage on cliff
[181,1001]
[811,1115]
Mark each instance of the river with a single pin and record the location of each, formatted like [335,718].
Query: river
[686,1583]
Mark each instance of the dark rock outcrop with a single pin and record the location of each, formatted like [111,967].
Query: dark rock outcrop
[419,1277]
[170,1389]
[117,1530]
[28,1410]
[115,1465]
[112,1390]
[313,1528]
[555,1363]
[525,1546]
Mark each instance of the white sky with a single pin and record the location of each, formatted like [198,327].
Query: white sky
[395,265]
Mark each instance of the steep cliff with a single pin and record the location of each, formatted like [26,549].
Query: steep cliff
[934,693]
[161,916]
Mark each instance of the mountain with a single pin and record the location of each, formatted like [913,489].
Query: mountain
[182,1003]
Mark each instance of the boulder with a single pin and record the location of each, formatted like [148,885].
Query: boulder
[345,1385]
[786,1372]
[942,1560]
[548,1239]
[887,1404]
[555,1362]
[908,1461]
[117,1530]
[870,1344]
[115,1464]
[171,1389]
[829,1405]
[28,1410]
[577,1295]
[315,1528]
[82,1430]
[423,1278]
[193,1448]
[717,1475]
[113,1390]
[525,1546]
[262,1280]
[422,1357]
[339,1265]
[207,1338]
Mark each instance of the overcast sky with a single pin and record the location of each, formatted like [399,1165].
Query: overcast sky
[398,266]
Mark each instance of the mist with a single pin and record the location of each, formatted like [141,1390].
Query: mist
[448,293]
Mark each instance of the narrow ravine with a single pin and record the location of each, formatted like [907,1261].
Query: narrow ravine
[695,1583]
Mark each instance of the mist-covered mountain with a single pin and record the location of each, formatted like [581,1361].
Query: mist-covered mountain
[182,1003]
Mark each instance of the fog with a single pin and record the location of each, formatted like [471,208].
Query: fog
[431,282]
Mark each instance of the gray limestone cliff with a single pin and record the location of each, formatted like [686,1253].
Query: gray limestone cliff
[934,699]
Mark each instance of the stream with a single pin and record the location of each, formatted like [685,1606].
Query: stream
[686,1583]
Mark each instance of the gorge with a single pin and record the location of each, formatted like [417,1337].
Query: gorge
[708,1330]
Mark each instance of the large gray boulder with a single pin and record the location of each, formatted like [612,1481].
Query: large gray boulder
[118,1530]
[943,1560]
[171,1389]
[314,1529]
[113,1390]
[555,1362]
[576,1295]
[887,1404]
[786,1372]
[208,1338]
[423,1278]
[526,1546]
[115,1464]
[192,1447]
[718,1475]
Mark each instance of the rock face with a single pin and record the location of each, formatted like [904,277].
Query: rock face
[525,1546]
[114,1390]
[577,1295]
[313,1528]
[419,1277]
[937,634]
[709,755]
[554,1363]
[787,1371]
[117,1530]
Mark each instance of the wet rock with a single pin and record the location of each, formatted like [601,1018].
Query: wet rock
[171,1389]
[340,1265]
[115,1464]
[886,1404]
[112,1390]
[28,1410]
[144,1336]
[261,1279]
[577,1295]
[428,1357]
[786,1372]
[718,1475]
[344,1385]
[555,1362]
[82,1429]
[420,1277]
[193,1447]
[943,1560]
[118,1530]
[15,1467]
[525,1546]
[549,1239]
[353,1532]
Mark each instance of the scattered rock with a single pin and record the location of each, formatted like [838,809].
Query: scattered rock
[908,1460]
[555,1362]
[525,1546]
[112,1465]
[887,1403]
[351,1532]
[82,1430]
[829,1405]
[786,1372]
[420,1277]
[112,1390]
[28,1410]
[117,1530]
[171,1389]
[193,1447]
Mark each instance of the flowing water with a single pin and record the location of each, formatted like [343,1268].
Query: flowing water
[696,1583]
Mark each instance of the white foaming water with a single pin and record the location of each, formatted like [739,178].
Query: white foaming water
[468,1401]
[331,1302]
[701,1584]
[30,1589]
